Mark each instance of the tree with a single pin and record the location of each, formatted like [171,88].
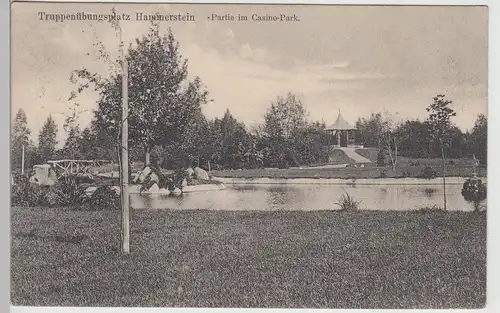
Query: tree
[282,123]
[47,139]
[371,129]
[73,145]
[162,102]
[389,139]
[19,138]
[414,139]
[380,131]
[441,129]
[478,139]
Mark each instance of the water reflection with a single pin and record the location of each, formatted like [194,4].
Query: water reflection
[274,197]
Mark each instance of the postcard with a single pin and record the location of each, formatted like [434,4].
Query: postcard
[248,155]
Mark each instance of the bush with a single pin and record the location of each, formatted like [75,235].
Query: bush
[346,203]
[20,190]
[39,196]
[429,209]
[68,192]
[383,174]
[381,157]
[474,191]
[24,193]
[103,198]
[428,173]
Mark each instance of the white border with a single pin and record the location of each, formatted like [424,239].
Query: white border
[493,283]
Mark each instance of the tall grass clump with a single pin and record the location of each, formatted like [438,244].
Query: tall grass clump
[347,203]
[430,209]
[103,198]
[68,192]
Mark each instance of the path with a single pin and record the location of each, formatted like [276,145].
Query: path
[353,155]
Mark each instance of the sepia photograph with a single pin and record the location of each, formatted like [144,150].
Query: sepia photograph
[248,155]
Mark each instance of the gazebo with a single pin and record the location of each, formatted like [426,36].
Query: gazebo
[344,133]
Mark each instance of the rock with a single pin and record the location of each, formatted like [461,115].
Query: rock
[201,173]
[164,191]
[154,177]
[44,175]
[177,192]
[143,174]
[89,191]
[154,188]
[184,182]
[189,172]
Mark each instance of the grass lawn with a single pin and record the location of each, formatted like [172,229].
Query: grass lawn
[249,259]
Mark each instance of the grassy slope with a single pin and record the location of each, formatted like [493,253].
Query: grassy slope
[369,153]
[250,259]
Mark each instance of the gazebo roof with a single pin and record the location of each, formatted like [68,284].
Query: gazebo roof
[340,124]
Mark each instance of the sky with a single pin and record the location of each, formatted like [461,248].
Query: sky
[356,59]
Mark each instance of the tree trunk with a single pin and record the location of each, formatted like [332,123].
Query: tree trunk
[147,156]
[444,177]
[395,154]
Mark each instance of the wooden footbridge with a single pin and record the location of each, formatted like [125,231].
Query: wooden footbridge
[77,167]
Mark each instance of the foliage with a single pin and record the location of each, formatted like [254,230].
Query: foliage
[347,203]
[380,131]
[19,137]
[474,191]
[428,173]
[162,102]
[19,190]
[47,139]
[72,146]
[39,196]
[103,198]
[287,138]
[429,209]
[24,193]
[370,129]
[69,192]
[477,140]
[381,157]
[383,174]
[440,124]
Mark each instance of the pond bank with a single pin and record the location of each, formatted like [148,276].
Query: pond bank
[346,172]
[336,181]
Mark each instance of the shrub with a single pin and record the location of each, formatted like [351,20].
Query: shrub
[381,157]
[24,193]
[404,174]
[39,196]
[103,198]
[20,190]
[347,203]
[428,173]
[383,174]
[68,192]
[429,209]
[474,191]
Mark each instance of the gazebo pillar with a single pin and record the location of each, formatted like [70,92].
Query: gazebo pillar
[338,138]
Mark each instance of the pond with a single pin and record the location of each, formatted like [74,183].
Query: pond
[315,195]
